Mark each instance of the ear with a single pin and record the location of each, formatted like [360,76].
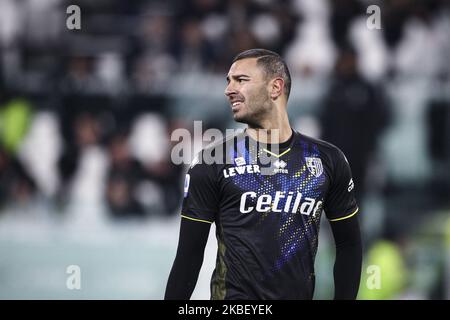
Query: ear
[276,88]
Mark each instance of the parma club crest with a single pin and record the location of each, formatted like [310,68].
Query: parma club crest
[314,166]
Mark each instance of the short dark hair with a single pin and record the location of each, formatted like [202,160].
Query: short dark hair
[272,64]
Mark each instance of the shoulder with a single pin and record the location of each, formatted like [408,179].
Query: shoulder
[216,153]
[332,157]
[324,148]
[225,141]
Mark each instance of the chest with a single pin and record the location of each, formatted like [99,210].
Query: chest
[281,186]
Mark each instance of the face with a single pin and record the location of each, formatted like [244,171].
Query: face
[248,92]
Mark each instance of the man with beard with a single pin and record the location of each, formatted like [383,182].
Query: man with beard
[267,213]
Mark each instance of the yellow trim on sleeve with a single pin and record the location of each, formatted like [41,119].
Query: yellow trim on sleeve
[193,219]
[346,217]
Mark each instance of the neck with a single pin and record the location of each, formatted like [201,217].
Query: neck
[274,129]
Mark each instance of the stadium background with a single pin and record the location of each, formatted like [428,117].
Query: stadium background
[86,116]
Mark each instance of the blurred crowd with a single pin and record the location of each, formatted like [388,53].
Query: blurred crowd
[72,97]
[86,115]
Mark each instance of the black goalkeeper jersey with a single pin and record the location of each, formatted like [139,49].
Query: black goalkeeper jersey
[267,214]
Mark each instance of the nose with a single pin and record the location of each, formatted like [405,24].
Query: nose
[229,90]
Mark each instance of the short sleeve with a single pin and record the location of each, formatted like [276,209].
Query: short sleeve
[340,202]
[200,202]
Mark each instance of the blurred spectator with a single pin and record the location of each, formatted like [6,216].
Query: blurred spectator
[44,135]
[135,64]
[343,12]
[438,133]
[124,175]
[354,114]
[199,9]
[152,62]
[194,53]
[80,77]
[11,21]
[82,163]
[16,185]
[311,51]
[110,72]
[394,16]
[151,145]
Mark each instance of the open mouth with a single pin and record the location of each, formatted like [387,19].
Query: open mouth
[235,105]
